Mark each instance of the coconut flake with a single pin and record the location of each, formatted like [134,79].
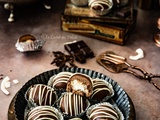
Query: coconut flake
[8,84]
[3,87]
[139,55]
[15,81]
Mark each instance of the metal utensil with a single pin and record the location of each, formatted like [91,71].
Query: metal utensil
[116,64]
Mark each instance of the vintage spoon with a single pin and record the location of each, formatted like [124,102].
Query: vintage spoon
[116,64]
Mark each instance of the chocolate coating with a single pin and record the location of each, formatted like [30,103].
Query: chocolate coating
[100,90]
[41,95]
[80,50]
[72,104]
[42,113]
[99,4]
[59,81]
[100,7]
[104,111]
[80,84]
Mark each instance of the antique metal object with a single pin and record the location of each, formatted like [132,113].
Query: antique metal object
[11,4]
[116,64]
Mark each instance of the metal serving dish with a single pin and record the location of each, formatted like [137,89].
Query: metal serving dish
[121,98]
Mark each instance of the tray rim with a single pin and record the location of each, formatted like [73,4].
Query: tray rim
[12,115]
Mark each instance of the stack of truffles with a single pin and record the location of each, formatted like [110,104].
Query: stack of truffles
[109,20]
[71,95]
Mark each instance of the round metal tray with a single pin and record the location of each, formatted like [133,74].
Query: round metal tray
[121,98]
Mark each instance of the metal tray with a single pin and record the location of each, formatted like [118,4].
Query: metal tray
[121,98]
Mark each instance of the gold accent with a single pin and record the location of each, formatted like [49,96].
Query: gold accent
[84,26]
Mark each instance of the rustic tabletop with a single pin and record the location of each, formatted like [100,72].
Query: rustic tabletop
[46,25]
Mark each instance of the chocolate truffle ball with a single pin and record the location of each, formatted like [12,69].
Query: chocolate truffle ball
[101,90]
[104,111]
[41,94]
[100,7]
[80,84]
[59,81]
[44,113]
[72,104]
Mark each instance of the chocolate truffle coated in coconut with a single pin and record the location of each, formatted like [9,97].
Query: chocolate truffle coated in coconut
[80,84]
[41,95]
[72,104]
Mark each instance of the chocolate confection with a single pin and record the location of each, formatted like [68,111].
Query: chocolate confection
[80,57]
[43,113]
[101,89]
[61,59]
[28,43]
[79,50]
[80,84]
[72,104]
[100,7]
[41,94]
[73,49]
[85,48]
[27,38]
[59,81]
[104,111]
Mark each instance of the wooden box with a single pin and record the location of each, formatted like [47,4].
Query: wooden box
[111,27]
